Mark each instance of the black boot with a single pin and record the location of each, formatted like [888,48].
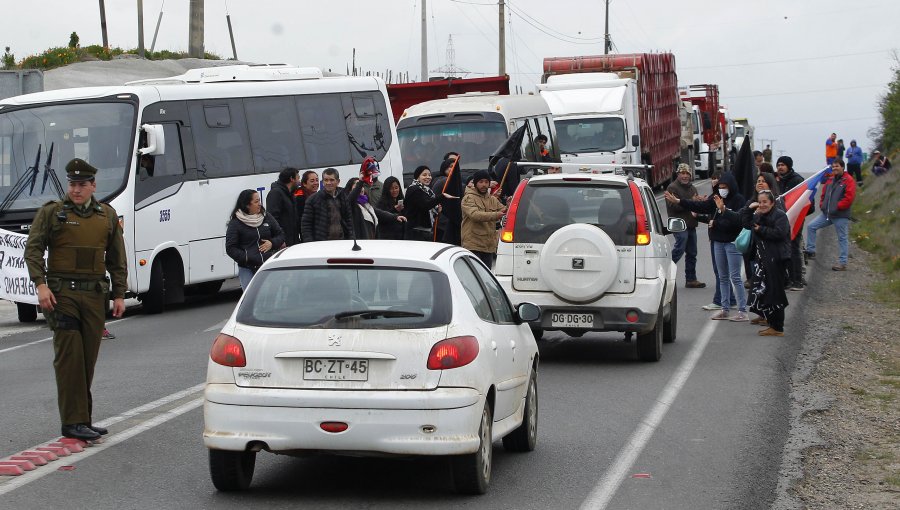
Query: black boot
[100,430]
[79,431]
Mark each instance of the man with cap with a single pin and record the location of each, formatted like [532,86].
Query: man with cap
[480,213]
[854,161]
[787,179]
[84,241]
[880,163]
[685,242]
[835,203]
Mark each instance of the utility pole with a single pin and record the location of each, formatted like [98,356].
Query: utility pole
[607,44]
[424,69]
[103,26]
[502,43]
[231,35]
[156,32]
[195,29]
[140,7]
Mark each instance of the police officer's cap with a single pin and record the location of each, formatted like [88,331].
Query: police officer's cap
[80,170]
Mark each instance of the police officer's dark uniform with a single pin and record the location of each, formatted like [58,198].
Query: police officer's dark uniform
[83,242]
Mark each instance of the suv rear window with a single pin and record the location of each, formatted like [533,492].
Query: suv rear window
[546,207]
[312,296]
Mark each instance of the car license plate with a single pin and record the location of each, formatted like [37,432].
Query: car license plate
[572,320]
[319,369]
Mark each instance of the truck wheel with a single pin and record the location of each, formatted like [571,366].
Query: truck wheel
[649,345]
[712,164]
[27,312]
[154,300]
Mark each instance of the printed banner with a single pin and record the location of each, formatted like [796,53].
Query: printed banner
[15,285]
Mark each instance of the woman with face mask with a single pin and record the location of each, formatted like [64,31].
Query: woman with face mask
[772,251]
[723,230]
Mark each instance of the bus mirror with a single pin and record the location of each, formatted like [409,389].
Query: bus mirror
[156,140]
[635,140]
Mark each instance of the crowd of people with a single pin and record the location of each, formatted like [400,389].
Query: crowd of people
[752,235]
[298,210]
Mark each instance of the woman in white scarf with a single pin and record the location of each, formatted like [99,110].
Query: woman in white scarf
[421,204]
[252,236]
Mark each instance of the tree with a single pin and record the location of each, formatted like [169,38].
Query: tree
[73,40]
[886,134]
[9,60]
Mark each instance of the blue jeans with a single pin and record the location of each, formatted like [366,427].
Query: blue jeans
[729,262]
[717,299]
[686,244]
[841,225]
[245,275]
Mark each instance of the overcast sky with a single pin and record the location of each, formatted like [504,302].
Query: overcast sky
[798,69]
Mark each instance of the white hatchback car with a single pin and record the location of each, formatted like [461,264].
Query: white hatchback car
[406,348]
[591,251]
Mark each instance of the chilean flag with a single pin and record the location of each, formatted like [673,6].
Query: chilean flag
[798,199]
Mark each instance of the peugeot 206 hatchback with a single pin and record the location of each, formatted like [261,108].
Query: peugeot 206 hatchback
[591,251]
[407,348]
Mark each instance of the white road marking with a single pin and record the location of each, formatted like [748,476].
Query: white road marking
[19,329]
[114,439]
[51,338]
[606,488]
[215,326]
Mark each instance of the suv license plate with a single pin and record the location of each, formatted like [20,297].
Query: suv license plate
[318,369]
[572,320]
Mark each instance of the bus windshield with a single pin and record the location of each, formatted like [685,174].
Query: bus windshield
[99,133]
[578,136]
[427,144]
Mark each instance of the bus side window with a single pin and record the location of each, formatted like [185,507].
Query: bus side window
[155,173]
[367,124]
[221,141]
[323,130]
[273,126]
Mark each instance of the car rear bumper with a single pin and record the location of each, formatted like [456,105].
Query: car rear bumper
[609,311]
[379,422]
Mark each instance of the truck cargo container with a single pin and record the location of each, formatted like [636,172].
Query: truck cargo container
[658,106]
[404,95]
[705,101]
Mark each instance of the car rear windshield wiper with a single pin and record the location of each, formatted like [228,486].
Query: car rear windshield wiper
[373,314]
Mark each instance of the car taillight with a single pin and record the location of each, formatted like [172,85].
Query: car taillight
[642,236]
[228,351]
[506,235]
[453,353]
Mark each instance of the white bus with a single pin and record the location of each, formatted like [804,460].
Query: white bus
[474,124]
[211,133]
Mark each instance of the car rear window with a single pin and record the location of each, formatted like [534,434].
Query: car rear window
[544,208]
[317,297]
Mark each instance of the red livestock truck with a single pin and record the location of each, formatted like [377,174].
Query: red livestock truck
[658,103]
[705,99]
[404,95]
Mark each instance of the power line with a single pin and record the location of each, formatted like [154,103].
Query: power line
[526,20]
[826,57]
[804,91]
[563,34]
[815,122]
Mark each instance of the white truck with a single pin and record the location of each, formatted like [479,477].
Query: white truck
[596,117]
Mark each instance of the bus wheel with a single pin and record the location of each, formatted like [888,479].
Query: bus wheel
[27,312]
[154,300]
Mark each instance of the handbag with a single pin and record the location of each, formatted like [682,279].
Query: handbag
[742,242]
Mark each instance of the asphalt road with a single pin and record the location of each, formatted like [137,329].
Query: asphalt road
[702,428]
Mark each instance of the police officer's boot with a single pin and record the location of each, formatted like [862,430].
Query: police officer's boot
[79,431]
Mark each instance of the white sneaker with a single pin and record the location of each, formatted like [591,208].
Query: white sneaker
[711,306]
[739,317]
[721,316]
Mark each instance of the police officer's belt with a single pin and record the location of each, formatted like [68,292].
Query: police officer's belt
[66,283]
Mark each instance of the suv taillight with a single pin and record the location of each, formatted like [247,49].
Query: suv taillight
[228,351]
[506,235]
[642,230]
[453,353]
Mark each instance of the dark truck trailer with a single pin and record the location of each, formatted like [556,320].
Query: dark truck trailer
[658,102]
[404,95]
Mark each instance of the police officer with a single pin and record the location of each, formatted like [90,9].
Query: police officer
[84,241]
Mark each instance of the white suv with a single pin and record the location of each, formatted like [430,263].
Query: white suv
[591,251]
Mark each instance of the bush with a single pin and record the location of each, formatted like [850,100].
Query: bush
[57,57]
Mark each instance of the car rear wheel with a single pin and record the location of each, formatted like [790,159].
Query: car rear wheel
[671,325]
[26,312]
[472,472]
[649,345]
[524,437]
[231,471]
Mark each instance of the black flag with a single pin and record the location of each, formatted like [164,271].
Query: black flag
[511,148]
[452,209]
[503,163]
[745,170]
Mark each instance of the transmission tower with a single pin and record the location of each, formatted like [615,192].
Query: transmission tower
[450,70]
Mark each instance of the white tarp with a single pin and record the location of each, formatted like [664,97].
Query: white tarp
[15,285]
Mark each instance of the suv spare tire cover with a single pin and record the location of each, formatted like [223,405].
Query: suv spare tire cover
[579,262]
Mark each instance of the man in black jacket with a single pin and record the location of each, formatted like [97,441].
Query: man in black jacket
[327,215]
[788,179]
[281,204]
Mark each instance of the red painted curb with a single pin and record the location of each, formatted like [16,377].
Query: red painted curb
[35,459]
[48,456]
[72,447]
[58,450]
[66,441]
[24,465]
[11,471]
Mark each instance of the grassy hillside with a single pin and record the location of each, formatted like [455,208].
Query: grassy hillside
[878,229]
